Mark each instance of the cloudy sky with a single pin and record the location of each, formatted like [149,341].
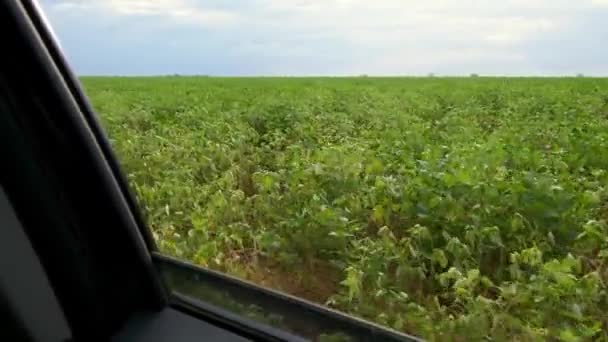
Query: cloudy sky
[332,37]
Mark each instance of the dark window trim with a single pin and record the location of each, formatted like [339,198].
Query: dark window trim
[229,321]
[275,302]
[64,191]
[78,94]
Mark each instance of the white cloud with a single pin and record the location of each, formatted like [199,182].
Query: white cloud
[511,30]
[391,22]
[401,36]
[380,36]
[179,11]
[600,3]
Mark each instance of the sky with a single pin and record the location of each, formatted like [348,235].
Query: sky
[332,37]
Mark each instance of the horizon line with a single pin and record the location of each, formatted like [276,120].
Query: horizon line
[473,75]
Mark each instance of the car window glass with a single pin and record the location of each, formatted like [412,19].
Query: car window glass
[437,168]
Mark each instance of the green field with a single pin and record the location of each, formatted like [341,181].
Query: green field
[450,208]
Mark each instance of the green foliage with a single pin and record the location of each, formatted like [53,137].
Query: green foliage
[454,209]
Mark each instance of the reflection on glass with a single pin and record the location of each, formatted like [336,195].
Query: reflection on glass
[270,308]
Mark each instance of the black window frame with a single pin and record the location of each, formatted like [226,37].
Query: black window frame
[82,219]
